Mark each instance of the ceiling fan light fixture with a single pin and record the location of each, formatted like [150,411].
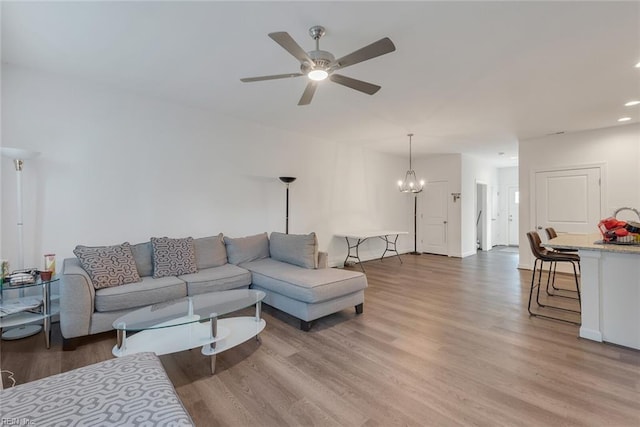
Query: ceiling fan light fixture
[318,75]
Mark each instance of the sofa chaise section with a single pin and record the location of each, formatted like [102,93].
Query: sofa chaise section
[307,294]
[293,274]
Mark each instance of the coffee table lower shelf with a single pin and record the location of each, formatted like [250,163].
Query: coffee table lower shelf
[231,332]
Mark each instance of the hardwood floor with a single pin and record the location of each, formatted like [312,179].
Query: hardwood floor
[442,341]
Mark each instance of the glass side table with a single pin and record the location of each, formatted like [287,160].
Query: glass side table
[19,311]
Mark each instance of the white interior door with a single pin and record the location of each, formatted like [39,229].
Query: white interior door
[434,218]
[512,216]
[568,200]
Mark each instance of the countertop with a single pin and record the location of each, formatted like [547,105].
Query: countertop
[587,242]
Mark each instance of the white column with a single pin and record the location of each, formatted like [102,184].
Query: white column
[590,279]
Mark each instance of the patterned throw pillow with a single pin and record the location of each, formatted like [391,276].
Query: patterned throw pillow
[173,257]
[108,265]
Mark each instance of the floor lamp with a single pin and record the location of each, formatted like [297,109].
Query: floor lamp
[412,185]
[287,180]
[19,155]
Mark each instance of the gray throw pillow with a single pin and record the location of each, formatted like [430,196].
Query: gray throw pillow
[108,265]
[143,256]
[173,257]
[210,252]
[245,249]
[296,249]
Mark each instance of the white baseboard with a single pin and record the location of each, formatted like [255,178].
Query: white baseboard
[590,334]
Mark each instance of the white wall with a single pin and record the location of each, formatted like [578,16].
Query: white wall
[462,172]
[618,148]
[116,166]
[446,167]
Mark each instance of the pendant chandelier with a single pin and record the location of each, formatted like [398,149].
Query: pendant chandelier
[410,183]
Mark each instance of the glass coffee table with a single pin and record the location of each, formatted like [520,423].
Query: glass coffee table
[191,322]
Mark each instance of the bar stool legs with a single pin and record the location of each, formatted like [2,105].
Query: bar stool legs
[551,234]
[551,280]
[538,268]
[542,256]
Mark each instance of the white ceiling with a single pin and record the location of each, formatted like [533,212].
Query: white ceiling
[470,77]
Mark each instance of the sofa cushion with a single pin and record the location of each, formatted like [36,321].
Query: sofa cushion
[245,249]
[143,256]
[296,249]
[125,391]
[146,292]
[173,257]
[210,252]
[307,285]
[215,279]
[108,266]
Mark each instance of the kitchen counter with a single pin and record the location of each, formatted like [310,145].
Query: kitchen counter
[610,288]
[591,242]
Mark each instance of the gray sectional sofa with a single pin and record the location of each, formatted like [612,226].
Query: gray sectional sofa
[103,283]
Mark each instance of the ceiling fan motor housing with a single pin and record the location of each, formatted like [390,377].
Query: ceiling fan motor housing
[321,58]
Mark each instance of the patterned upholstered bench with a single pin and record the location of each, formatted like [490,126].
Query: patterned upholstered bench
[132,390]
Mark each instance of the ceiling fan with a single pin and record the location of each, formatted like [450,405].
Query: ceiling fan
[318,64]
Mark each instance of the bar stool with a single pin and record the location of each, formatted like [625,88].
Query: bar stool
[551,234]
[543,255]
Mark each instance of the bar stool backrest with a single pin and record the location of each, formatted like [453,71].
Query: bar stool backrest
[551,234]
[536,246]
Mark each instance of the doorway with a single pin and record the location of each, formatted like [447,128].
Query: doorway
[482,202]
[513,205]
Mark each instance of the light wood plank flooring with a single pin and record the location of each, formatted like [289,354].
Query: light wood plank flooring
[442,341]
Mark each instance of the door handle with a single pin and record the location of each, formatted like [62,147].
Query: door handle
[539,227]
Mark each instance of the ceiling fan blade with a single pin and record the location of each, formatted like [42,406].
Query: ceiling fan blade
[273,77]
[290,45]
[365,87]
[306,97]
[373,50]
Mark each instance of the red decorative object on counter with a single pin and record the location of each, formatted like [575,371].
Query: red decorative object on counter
[615,231]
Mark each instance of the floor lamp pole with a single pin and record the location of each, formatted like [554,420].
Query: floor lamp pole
[415,226]
[18,155]
[18,164]
[287,180]
[286,229]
